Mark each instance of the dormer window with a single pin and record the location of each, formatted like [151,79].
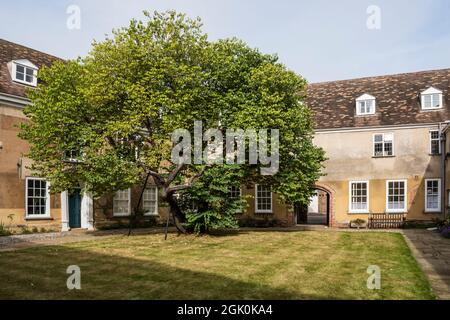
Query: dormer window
[365,105]
[431,99]
[25,72]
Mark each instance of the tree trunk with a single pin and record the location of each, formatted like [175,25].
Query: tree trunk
[176,213]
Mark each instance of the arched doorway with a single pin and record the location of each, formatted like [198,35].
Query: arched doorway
[320,209]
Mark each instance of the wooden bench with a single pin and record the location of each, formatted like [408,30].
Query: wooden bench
[386,220]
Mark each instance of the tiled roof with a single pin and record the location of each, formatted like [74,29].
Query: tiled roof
[10,51]
[397,99]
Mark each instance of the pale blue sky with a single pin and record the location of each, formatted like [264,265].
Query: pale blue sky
[321,40]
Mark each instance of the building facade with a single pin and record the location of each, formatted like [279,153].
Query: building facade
[385,140]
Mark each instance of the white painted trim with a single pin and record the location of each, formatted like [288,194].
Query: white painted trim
[376,128]
[47,202]
[26,65]
[405,209]
[439,139]
[431,91]
[350,210]
[14,101]
[366,97]
[87,211]
[439,196]
[393,144]
[65,211]
[156,213]
[115,214]
[256,201]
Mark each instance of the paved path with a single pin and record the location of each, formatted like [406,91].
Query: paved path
[18,242]
[432,252]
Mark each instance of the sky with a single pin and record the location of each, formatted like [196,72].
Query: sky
[320,40]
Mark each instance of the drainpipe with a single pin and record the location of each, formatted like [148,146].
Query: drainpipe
[443,129]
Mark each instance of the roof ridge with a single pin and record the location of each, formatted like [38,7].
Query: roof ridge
[380,76]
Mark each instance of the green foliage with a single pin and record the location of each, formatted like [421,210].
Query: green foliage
[120,104]
[208,205]
[4,230]
[265,222]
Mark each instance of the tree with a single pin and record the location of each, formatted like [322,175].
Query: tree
[117,108]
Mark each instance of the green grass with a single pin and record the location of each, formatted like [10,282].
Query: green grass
[245,265]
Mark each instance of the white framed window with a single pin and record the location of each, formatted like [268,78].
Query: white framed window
[37,197]
[432,195]
[435,142]
[263,199]
[359,196]
[150,201]
[122,203]
[365,105]
[25,72]
[383,144]
[396,196]
[431,99]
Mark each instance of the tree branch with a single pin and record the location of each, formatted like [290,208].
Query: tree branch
[190,181]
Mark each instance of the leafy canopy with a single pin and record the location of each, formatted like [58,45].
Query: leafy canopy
[120,104]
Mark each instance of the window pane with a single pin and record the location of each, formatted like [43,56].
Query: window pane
[263,198]
[396,195]
[359,196]
[37,197]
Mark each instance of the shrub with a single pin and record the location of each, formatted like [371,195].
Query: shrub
[4,231]
[25,230]
[358,223]
[266,222]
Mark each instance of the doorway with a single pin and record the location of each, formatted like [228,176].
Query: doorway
[75,209]
[317,212]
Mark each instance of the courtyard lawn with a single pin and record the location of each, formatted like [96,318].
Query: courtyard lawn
[244,265]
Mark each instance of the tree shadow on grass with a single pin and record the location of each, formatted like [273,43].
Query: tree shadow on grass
[40,273]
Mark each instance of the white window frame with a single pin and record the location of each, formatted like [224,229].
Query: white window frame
[350,197]
[405,208]
[438,139]
[364,98]
[47,201]
[393,144]
[120,214]
[256,201]
[431,91]
[439,196]
[149,213]
[27,65]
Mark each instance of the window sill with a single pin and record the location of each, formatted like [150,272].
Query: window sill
[116,215]
[381,157]
[431,109]
[358,212]
[432,212]
[31,218]
[396,212]
[263,212]
[151,214]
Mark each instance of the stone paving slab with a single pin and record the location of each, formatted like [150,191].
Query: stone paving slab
[432,252]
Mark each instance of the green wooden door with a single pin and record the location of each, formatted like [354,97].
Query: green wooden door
[75,209]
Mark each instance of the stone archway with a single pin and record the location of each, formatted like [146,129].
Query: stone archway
[331,202]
